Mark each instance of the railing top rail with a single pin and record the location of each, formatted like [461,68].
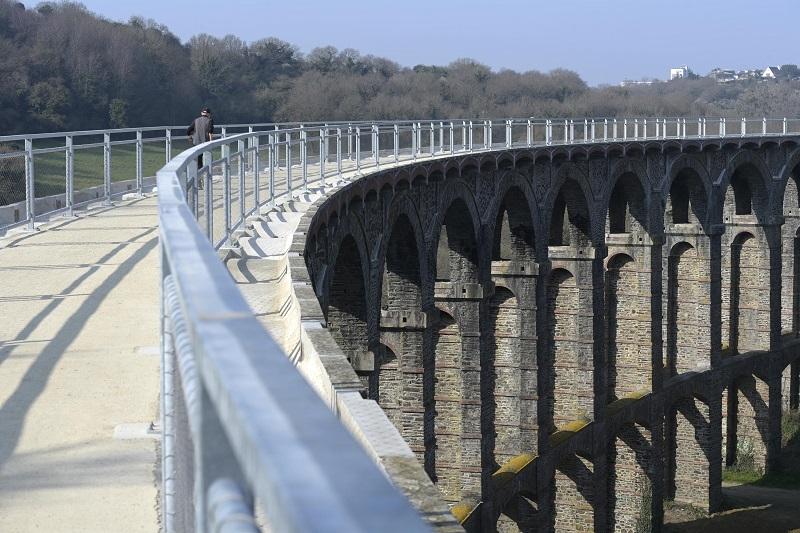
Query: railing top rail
[339,123]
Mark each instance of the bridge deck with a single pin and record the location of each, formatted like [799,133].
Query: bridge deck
[79,360]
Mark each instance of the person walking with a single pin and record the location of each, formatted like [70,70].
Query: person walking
[201,130]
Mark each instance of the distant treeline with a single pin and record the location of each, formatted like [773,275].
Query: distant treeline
[65,68]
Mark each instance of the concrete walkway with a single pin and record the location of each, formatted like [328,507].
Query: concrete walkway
[79,360]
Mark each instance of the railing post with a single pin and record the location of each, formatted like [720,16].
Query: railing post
[470,135]
[722,127]
[594,136]
[242,155]
[419,138]
[636,129]
[321,148]
[548,132]
[614,130]
[69,167]
[432,139]
[167,145]
[358,151]
[254,144]
[785,126]
[441,137]
[396,137]
[107,167]
[683,136]
[304,156]
[529,133]
[414,140]
[139,162]
[324,138]
[192,176]
[376,149]
[349,142]
[744,126]
[30,193]
[339,151]
[226,188]
[764,126]
[209,188]
[289,164]
[605,129]
[625,129]
[463,136]
[272,139]
[452,139]
[566,131]
[508,134]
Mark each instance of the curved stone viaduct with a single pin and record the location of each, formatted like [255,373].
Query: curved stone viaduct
[569,336]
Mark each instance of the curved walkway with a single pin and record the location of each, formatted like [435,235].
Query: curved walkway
[79,362]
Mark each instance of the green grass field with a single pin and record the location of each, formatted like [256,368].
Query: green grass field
[88,166]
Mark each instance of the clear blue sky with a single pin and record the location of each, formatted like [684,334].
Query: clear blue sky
[605,41]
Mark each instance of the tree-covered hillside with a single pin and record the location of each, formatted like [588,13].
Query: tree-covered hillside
[64,68]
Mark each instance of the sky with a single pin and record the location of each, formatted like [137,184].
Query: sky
[605,41]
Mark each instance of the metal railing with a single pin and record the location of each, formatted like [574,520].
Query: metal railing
[45,175]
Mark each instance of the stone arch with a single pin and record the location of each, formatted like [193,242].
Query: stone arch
[687,310]
[790,245]
[687,193]
[402,326]
[626,205]
[743,188]
[626,197]
[403,207]
[742,301]
[346,310]
[627,334]
[631,478]
[457,245]
[513,228]
[570,218]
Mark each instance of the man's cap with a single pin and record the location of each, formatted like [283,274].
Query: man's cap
[206,110]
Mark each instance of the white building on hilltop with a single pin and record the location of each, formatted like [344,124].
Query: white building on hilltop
[679,72]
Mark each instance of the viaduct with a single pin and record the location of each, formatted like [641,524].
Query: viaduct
[400,326]
[567,337]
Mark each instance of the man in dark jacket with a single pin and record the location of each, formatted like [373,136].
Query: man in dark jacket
[201,130]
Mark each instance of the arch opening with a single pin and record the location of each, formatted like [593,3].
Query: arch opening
[569,224]
[626,206]
[457,252]
[346,313]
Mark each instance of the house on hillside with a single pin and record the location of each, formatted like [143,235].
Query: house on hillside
[678,73]
[722,75]
[784,72]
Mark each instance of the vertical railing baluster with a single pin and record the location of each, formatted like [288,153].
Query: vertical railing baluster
[396,140]
[304,156]
[255,144]
[226,189]
[139,162]
[289,164]
[242,183]
[167,145]
[107,168]
[339,151]
[69,197]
